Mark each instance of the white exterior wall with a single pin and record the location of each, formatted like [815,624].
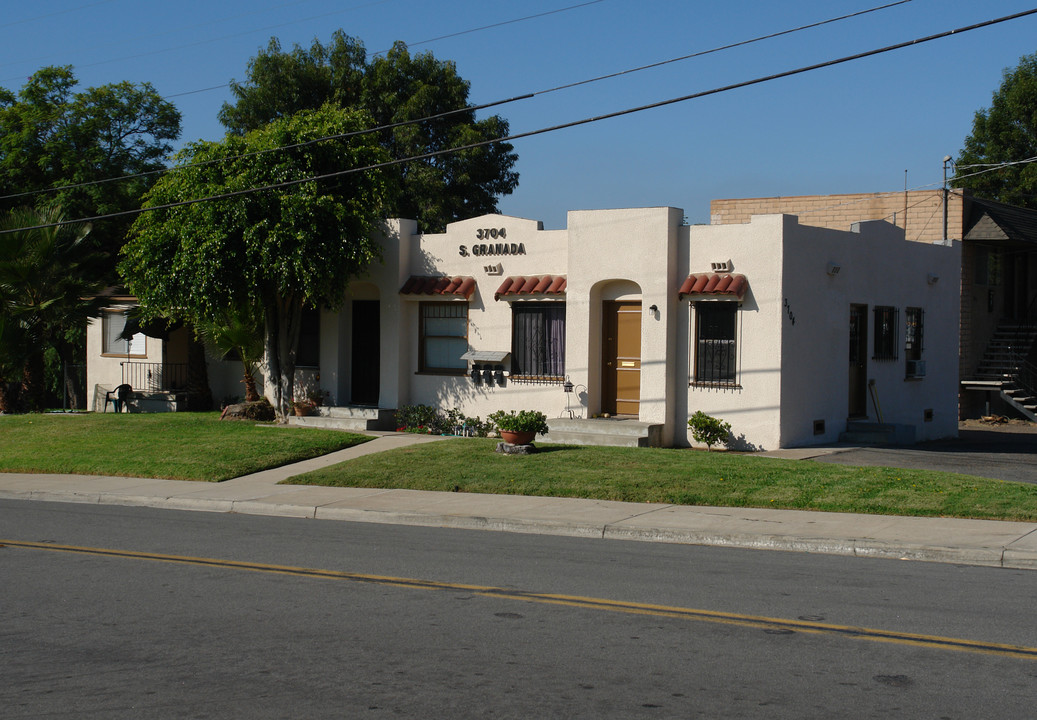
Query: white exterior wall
[489,320]
[104,372]
[876,267]
[628,254]
[754,408]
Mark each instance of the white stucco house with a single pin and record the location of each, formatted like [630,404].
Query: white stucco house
[787,331]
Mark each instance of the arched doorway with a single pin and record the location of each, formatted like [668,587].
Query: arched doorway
[621,348]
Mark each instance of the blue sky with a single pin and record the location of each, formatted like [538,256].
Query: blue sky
[856,127]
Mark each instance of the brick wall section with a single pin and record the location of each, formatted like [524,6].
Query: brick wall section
[922,220]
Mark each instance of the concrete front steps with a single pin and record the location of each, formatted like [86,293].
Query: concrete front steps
[872,433]
[611,432]
[354,418]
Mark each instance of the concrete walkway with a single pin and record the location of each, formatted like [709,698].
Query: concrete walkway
[973,542]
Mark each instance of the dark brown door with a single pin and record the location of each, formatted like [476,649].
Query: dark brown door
[365,353]
[621,358]
[858,361]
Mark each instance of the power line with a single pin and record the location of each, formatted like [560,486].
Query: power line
[554,128]
[49,15]
[497,25]
[168,31]
[473,108]
[267,28]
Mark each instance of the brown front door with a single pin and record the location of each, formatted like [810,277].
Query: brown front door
[621,358]
[858,361]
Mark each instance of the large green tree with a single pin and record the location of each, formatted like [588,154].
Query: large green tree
[1006,132]
[275,251]
[47,289]
[53,136]
[395,88]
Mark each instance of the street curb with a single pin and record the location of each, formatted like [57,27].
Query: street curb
[989,556]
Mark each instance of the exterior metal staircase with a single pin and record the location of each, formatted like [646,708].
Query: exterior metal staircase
[1006,366]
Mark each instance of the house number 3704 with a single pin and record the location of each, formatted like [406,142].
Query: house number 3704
[491,234]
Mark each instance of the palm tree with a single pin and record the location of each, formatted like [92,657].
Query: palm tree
[239,330]
[47,286]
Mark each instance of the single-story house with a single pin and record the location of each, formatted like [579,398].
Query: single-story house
[997,354]
[789,332]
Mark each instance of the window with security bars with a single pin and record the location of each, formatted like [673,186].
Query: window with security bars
[914,323]
[538,341]
[885,339]
[444,337]
[715,346]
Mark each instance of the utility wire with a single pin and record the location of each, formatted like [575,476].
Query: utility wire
[467,108]
[553,128]
[498,24]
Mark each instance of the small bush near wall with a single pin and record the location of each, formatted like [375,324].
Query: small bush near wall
[426,419]
[708,430]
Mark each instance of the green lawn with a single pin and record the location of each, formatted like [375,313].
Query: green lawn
[181,446]
[198,446]
[682,476]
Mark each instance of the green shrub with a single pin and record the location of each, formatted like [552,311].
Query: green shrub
[426,419]
[522,421]
[707,429]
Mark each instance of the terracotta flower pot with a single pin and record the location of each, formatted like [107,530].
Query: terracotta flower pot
[513,437]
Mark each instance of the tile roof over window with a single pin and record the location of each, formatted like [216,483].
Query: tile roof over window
[460,286]
[531,285]
[714,285]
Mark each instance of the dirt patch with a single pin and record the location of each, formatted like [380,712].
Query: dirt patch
[1000,424]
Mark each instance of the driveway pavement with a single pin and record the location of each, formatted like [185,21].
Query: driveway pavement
[1000,452]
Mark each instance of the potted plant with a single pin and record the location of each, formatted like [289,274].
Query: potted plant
[303,407]
[519,428]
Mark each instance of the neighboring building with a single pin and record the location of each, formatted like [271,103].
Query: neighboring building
[998,325]
[652,320]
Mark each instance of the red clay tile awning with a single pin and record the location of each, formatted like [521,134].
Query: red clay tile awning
[531,285]
[460,286]
[714,284]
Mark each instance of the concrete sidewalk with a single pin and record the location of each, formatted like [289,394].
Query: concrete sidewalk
[973,542]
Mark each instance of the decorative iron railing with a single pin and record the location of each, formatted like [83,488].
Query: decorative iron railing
[155,377]
[715,363]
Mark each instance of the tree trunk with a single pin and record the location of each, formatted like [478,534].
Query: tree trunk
[8,397]
[282,318]
[199,395]
[33,387]
[251,393]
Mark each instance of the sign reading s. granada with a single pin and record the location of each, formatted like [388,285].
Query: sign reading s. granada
[491,248]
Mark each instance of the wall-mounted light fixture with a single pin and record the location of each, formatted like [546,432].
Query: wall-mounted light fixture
[833,269]
[933,278]
[653,309]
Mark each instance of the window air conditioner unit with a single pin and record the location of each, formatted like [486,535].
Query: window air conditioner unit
[916,368]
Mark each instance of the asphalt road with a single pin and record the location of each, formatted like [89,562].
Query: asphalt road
[113,612]
[1007,452]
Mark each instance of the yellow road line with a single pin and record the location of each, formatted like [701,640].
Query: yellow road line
[591,603]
